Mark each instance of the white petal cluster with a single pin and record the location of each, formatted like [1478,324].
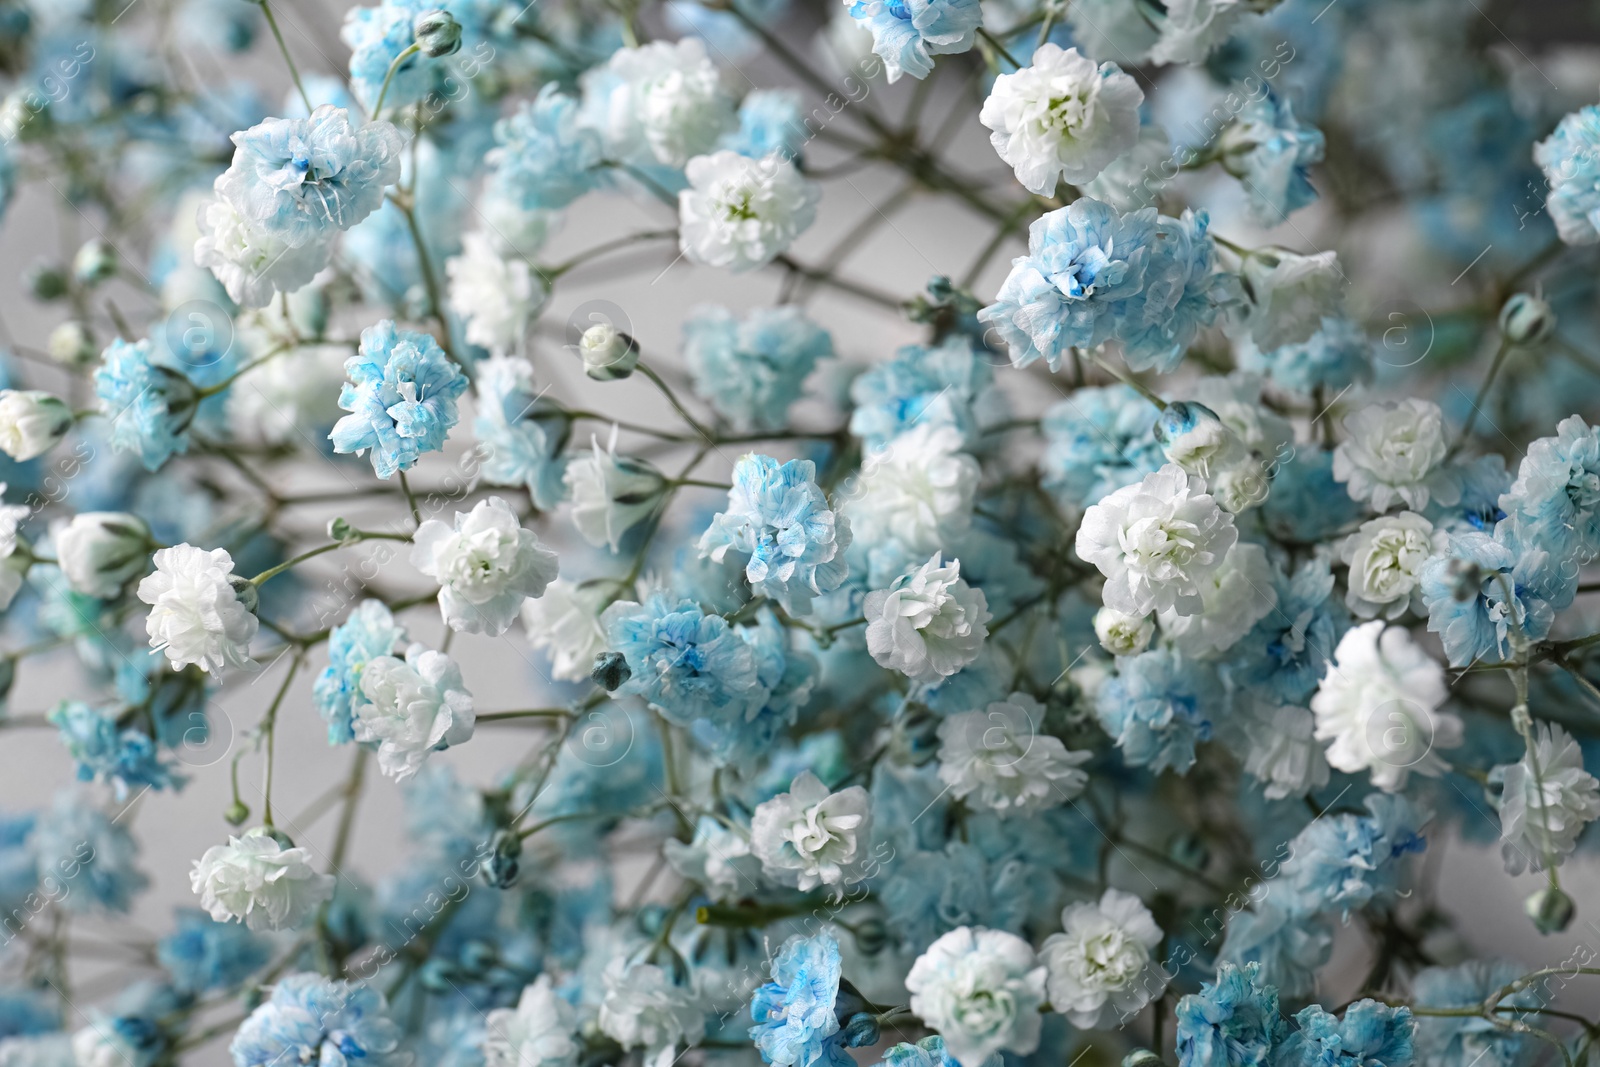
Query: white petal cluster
[278,400]
[13,564]
[611,493]
[196,615]
[1156,541]
[660,103]
[1282,752]
[1391,453]
[565,623]
[1101,969]
[1290,295]
[254,879]
[496,296]
[809,837]
[981,990]
[252,264]
[1378,707]
[538,1032]
[486,566]
[1546,799]
[415,706]
[643,1008]
[927,625]
[740,213]
[1122,634]
[1234,597]
[1384,558]
[1000,758]
[32,422]
[917,491]
[101,551]
[718,858]
[1193,28]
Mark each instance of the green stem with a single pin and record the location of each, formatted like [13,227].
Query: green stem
[269,729]
[294,72]
[410,50]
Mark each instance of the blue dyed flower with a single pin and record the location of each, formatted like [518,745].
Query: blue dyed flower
[1270,152]
[929,1052]
[1287,653]
[149,407]
[770,120]
[752,370]
[778,520]
[1555,501]
[1157,708]
[1345,862]
[27,1011]
[77,845]
[794,1013]
[1483,482]
[1306,505]
[543,159]
[125,758]
[948,384]
[368,633]
[686,663]
[1478,627]
[1371,1034]
[1097,441]
[1232,1022]
[1289,947]
[203,954]
[1571,160]
[1455,1040]
[1183,293]
[522,443]
[401,397]
[907,34]
[312,1019]
[301,180]
[1334,357]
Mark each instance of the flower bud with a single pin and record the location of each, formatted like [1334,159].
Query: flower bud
[1142,1057]
[1526,319]
[608,354]
[1550,909]
[95,262]
[46,282]
[860,1030]
[237,813]
[503,865]
[101,551]
[872,936]
[1121,634]
[437,33]
[438,975]
[1192,436]
[610,671]
[246,591]
[1466,579]
[32,422]
[72,344]
[24,116]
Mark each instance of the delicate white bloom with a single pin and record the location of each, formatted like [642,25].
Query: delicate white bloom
[927,625]
[565,622]
[607,352]
[1156,541]
[1236,400]
[1384,557]
[32,422]
[718,858]
[610,494]
[253,266]
[809,837]
[288,395]
[1000,757]
[1240,486]
[1101,969]
[1379,705]
[1193,28]
[1062,118]
[101,1044]
[661,103]
[1282,753]
[39,1050]
[414,706]
[256,880]
[1546,800]
[1391,453]
[13,564]
[918,491]
[497,297]
[538,1032]
[196,615]
[486,566]
[101,551]
[643,1008]
[1122,634]
[1234,597]
[739,212]
[1290,296]
[981,990]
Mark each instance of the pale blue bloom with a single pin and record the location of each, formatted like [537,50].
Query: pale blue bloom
[149,407]
[1455,1040]
[1483,482]
[522,435]
[312,1019]
[685,662]
[947,384]
[542,157]
[1157,707]
[1232,1022]
[1270,152]
[907,34]
[1183,293]
[752,369]
[929,893]
[27,1011]
[138,1030]
[301,180]
[401,397]
[125,758]
[929,1052]
[369,632]
[1345,862]
[1287,652]
[1306,505]
[203,955]
[1098,440]
[1333,358]
[376,36]
[794,1013]
[77,844]
[770,120]
[1571,160]
[1288,947]
[778,520]
[1478,628]
[1371,1034]
[1555,501]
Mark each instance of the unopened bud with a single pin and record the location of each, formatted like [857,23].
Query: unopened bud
[46,282]
[1550,909]
[72,344]
[1526,319]
[607,353]
[437,33]
[610,671]
[95,262]
[32,422]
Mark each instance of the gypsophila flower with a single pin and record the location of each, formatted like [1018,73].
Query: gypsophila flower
[565,622]
[661,103]
[312,1019]
[99,552]
[254,264]
[1269,151]
[770,120]
[1234,1020]
[196,615]
[808,836]
[1096,441]
[752,370]
[1288,946]
[718,858]
[543,158]
[1370,1033]
[75,840]
[1283,753]
[794,1012]
[539,1032]
[1392,453]
[202,954]
[1121,634]
[1101,969]
[644,1008]
[369,632]
[1346,861]
[32,422]
[1546,800]
[486,566]
[1290,296]
[982,990]
[1233,598]
[1002,759]
[1385,558]
[1190,29]
[259,882]
[927,625]
[917,492]
[413,707]
[150,408]
[125,758]
[611,494]
[521,446]
[1442,1040]
[1555,501]
[496,294]
[1157,707]
[741,213]
[1335,356]
[683,661]
[907,34]
[1570,157]
[948,384]
[401,397]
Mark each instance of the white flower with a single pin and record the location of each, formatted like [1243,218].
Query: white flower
[610,494]
[565,622]
[927,625]
[1193,28]
[102,1044]
[917,491]
[1155,541]
[497,297]
[1236,400]
[661,103]
[1384,557]
[486,566]
[39,1050]
[251,265]
[415,706]
[1234,597]
[100,551]
[196,615]
[13,564]
[739,212]
[981,990]
[32,422]
[1122,634]
[1290,295]
[1390,453]
[642,1007]
[1000,755]
[1544,808]
[256,880]
[718,858]
[1379,706]
[1062,118]
[537,1033]
[284,397]
[607,352]
[1101,967]
[1282,753]
[809,837]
